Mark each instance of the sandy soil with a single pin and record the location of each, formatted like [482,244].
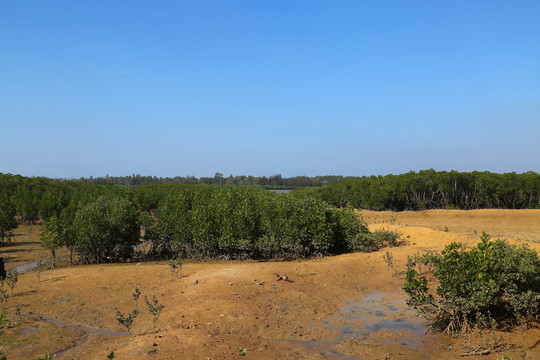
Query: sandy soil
[26,248]
[504,224]
[349,306]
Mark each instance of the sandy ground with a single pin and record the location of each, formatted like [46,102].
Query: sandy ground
[346,307]
[504,224]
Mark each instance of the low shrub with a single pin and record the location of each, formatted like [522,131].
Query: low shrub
[383,237]
[106,229]
[492,284]
[373,241]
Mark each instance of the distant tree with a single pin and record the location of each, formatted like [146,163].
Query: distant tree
[218,179]
[7,218]
[26,203]
[52,201]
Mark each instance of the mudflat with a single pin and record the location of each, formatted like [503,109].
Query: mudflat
[345,307]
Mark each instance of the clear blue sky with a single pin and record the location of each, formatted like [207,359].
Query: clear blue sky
[260,87]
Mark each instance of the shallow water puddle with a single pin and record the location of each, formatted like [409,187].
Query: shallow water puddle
[29,331]
[377,316]
[84,330]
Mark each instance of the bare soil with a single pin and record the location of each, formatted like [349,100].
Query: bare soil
[345,307]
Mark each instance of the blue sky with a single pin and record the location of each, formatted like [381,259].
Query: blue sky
[309,87]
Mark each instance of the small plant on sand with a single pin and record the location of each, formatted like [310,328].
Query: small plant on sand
[154,308]
[242,351]
[11,280]
[47,357]
[2,321]
[176,267]
[111,355]
[4,296]
[127,321]
[136,295]
[40,267]
[389,260]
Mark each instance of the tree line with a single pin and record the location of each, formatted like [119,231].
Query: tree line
[102,223]
[430,189]
[274,181]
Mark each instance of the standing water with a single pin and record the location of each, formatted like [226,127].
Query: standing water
[377,316]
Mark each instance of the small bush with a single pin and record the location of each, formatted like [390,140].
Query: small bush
[383,237]
[154,308]
[366,241]
[127,320]
[175,266]
[492,284]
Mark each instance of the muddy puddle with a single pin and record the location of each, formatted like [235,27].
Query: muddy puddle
[29,331]
[377,317]
[84,332]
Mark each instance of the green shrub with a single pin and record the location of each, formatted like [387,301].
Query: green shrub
[106,229]
[232,222]
[50,235]
[383,237]
[492,284]
[7,219]
[373,241]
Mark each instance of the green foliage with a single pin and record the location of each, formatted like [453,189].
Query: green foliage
[389,260]
[154,308]
[52,201]
[175,266]
[106,229]
[376,240]
[274,181]
[47,357]
[136,295]
[147,222]
[26,201]
[227,222]
[127,321]
[111,355]
[7,218]
[384,237]
[51,235]
[242,351]
[430,189]
[484,286]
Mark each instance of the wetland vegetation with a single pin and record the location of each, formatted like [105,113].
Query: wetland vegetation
[459,284]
